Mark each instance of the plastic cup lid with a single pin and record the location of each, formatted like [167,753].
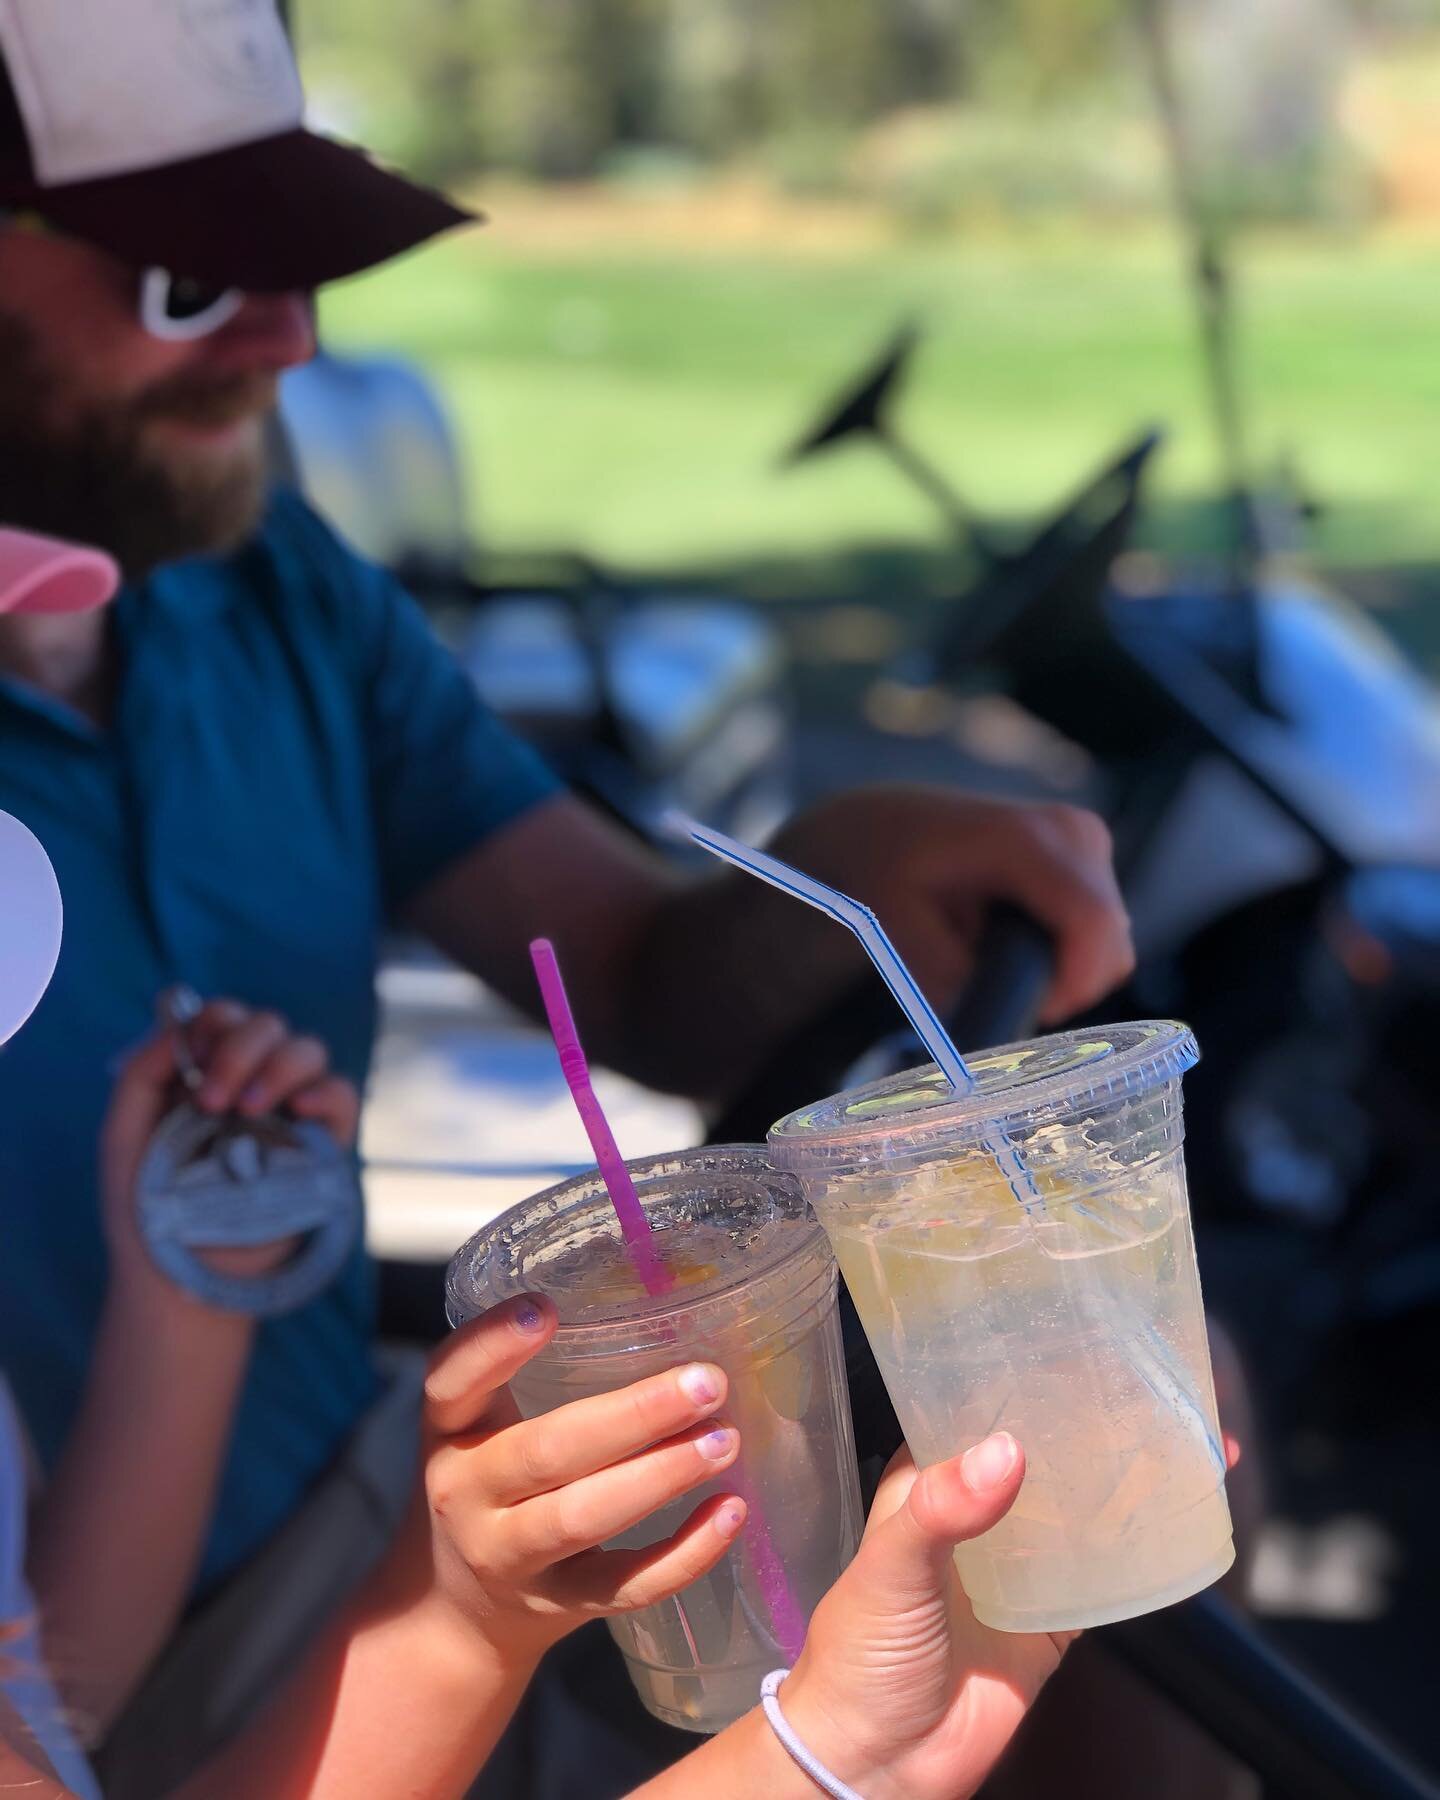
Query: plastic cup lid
[30,921]
[1044,1075]
[515,1253]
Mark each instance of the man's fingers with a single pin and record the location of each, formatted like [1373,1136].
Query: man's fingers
[553,1527]
[619,1581]
[948,1504]
[1065,878]
[476,1361]
[1093,945]
[591,1434]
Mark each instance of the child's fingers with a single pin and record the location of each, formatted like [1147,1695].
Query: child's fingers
[143,1095]
[333,1103]
[149,1070]
[145,1086]
[295,1063]
[552,1527]
[591,1434]
[210,1024]
[948,1504]
[894,1489]
[476,1361]
[236,1056]
[261,1259]
[617,1581]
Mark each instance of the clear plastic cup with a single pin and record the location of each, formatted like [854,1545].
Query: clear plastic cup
[1066,1310]
[755,1292]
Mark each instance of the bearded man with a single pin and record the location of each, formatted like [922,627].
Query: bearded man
[260,756]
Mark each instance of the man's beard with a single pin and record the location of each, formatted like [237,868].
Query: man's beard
[91,475]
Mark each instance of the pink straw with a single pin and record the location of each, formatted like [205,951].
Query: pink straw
[635,1227]
[785,1614]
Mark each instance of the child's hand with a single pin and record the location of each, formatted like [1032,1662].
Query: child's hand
[253,1065]
[900,1690]
[518,1506]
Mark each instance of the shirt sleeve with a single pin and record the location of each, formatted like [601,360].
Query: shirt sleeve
[444,772]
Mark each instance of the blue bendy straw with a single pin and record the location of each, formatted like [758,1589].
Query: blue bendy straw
[877,946]
[871,933]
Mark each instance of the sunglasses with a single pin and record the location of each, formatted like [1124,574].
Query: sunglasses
[172,307]
[178,309]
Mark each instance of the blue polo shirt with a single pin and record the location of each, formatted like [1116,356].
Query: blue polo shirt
[292,756]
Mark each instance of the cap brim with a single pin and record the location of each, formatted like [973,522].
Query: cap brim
[42,575]
[288,212]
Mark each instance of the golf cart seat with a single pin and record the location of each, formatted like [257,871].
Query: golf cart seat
[372,449]
[642,697]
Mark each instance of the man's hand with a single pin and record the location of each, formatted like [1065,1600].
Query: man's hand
[931,861]
[691,985]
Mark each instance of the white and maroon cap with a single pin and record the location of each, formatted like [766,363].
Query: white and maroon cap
[171,133]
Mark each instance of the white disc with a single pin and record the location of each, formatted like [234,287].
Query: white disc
[30,920]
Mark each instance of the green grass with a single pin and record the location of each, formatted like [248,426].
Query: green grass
[633,404]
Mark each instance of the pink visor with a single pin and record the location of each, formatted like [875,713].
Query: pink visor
[43,575]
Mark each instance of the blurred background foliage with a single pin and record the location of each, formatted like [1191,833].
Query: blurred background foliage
[931,107]
[707,212]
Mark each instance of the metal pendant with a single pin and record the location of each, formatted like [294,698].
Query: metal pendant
[210,1183]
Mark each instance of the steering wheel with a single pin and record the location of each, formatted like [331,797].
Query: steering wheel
[855,1039]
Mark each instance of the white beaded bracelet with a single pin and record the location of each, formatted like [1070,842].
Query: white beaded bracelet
[810,1763]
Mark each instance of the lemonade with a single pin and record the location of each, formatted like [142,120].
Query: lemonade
[979,1329]
[755,1286]
[1065,1310]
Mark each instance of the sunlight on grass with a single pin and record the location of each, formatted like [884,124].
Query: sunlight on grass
[634,403]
